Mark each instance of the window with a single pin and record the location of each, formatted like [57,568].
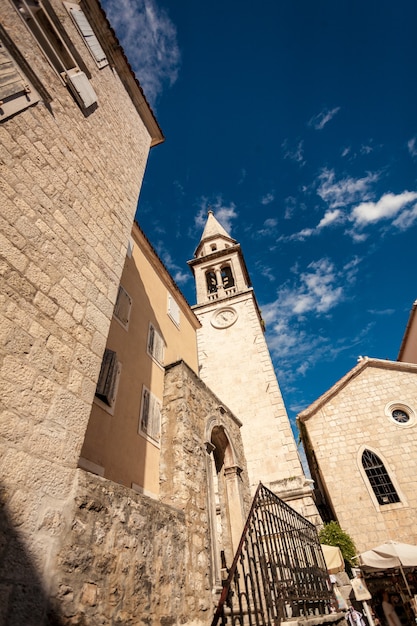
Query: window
[173,310]
[155,345]
[56,46]
[211,281]
[108,379]
[379,479]
[16,93]
[227,277]
[122,307]
[87,34]
[150,416]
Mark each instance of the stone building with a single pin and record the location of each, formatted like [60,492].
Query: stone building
[123,476]
[360,439]
[232,334]
[75,133]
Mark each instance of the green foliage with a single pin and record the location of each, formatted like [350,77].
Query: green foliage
[332,535]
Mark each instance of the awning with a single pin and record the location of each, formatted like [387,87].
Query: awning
[333,558]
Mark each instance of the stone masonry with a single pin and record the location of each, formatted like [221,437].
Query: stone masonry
[356,414]
[69,184]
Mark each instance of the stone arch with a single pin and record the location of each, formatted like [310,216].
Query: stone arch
[224,494]
[227,276]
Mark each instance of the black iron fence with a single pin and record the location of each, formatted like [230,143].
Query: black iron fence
[278,571]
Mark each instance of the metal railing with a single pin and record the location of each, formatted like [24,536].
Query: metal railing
[278,571]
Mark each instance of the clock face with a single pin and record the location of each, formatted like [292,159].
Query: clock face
[224,318]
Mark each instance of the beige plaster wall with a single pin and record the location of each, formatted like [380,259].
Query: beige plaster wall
[113,441]
[354,418]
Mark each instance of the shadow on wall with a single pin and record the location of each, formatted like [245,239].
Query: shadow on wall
[23,601]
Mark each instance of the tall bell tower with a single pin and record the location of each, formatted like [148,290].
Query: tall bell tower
[236,364]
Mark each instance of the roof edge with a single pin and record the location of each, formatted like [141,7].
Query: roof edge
[407,330]
[364,362]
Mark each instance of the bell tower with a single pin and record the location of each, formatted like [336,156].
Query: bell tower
[236,364]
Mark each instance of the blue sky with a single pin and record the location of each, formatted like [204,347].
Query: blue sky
[296,121]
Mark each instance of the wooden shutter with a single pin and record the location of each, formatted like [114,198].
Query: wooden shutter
[106,386]
[88,34]
[122,306]
[173,310]
[150,420]
[155,344]
[11,82]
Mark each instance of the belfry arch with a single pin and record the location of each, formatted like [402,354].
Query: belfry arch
[225,498]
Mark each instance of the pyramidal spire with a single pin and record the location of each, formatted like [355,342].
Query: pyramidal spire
[213,228]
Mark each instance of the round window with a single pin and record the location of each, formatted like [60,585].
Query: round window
[400,416]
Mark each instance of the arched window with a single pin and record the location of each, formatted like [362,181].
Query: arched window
[227,277]
[379,479]
[211,282]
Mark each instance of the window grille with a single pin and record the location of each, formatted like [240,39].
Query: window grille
[379,479]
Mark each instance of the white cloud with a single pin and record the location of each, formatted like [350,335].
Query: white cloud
[268,198]
[412,146]
[315,293]
[295,153]
[386,207]
[149,39]
[406,218]
[345,191]
[330,217]
[320,120]
[175,270]
[224,214]
[345,152]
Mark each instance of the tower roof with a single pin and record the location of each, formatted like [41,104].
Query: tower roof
[213,228]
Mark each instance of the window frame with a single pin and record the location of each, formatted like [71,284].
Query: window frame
[123,303]
[155,349]
[153,405]
[380,507]
[58,49]
[90,40]
[19,99]
[174,310]
[108,381]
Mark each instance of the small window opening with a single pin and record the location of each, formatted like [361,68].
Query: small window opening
[213,247]
[227,277]
[211,282]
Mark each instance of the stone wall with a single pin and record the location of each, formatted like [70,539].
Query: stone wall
[69,184]
[190,413]
[123,559]
[355,414]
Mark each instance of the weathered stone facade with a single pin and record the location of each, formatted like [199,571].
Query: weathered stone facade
[356,415]
[70,180]
[124,558]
